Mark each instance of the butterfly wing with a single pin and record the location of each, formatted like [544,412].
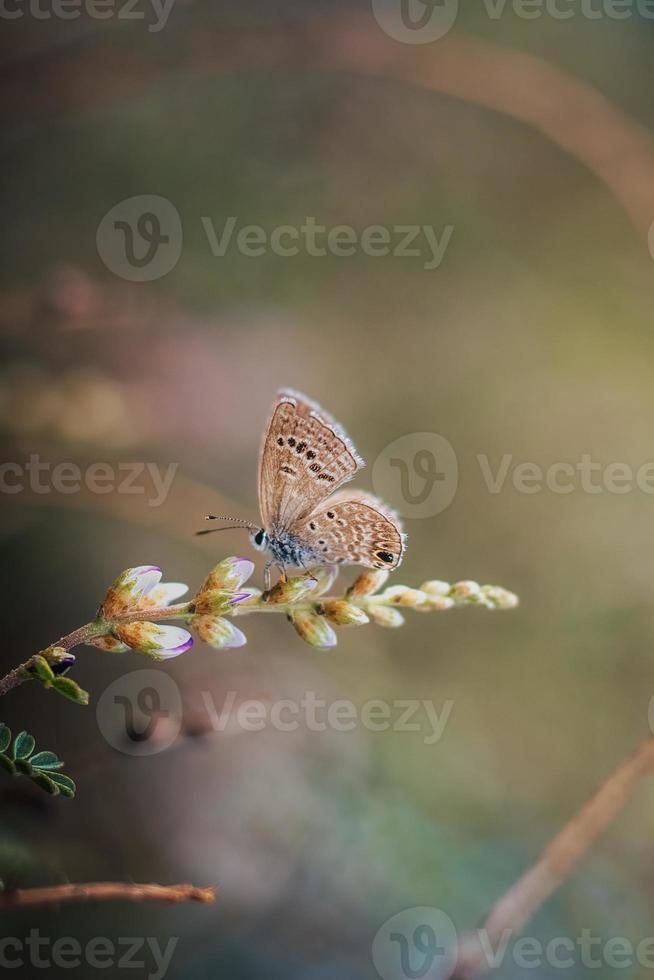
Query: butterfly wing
[305,456]
[353,528]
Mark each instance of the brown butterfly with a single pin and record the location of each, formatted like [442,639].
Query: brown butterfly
[305,457]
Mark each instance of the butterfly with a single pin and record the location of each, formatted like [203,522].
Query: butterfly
[306,456]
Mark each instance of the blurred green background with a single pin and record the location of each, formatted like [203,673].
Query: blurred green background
[533,338]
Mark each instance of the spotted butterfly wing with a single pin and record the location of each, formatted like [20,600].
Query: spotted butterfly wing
[353,528]
[305,456]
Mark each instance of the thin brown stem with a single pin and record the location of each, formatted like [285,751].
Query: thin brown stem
[514,909]
[104,891]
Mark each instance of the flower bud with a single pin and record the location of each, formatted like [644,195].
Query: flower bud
[468,590]
[159,641]
[229,574]
[401,595]
[369,582]
[59,659]
[63,664]
[218,632]
[385,615]
[499,598]
[437,602]
[291,590]
[130,587]
[109,643]
[435,587]
[342,613]
[216,601]
[313,629]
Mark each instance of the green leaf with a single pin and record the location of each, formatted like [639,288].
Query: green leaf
[41,669]
[5,737]
[69,689]
[46,783]
[24,766]
[7,764]
[46,760]
[23,746]
[65,783]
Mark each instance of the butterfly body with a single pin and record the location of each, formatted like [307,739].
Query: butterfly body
[285,548]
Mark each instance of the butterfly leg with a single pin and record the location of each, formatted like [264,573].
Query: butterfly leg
[266,575]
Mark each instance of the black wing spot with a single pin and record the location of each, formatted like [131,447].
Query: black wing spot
[291,441]
[385,556]
[280,441]
[330,515]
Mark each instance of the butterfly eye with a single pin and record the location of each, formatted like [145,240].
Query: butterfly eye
[259,538]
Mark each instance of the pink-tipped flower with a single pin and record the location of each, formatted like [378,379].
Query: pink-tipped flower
[218,632]
[161,642]
[229,574]
[140,588]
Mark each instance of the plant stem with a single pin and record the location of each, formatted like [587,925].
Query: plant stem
[514,909]
[88,632]
[102,891]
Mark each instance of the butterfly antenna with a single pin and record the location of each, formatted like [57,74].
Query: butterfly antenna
[246,525]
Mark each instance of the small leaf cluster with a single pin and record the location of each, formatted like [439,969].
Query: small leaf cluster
[20,758]
[46,668]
